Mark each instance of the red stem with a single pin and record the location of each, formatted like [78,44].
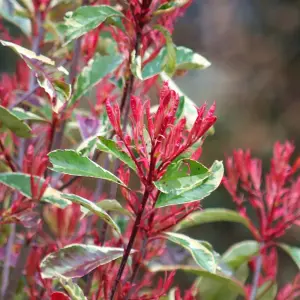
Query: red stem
[7,157]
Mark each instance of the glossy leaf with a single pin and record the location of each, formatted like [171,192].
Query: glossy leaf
[112,148]
[26,115]
[182,175]
[231,283]
[70,162]
[293,252]
[202,256]
[13,123]
[77,260]
[91,206]
[195,192]
[59,296]
[21,183]
[170,6]
[72,288]
[32,58]
[240,253]
[98,67]
[185,59]
[87,18]
[210,215]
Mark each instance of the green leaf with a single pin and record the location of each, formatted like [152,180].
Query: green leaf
[136,65]
[111,147]
[26,115]
[181,176]
[170,6]
[98,67]
[240,253]
[91,206]
[186,59]
[73,289]
[195,192]
[31,58]
[113,205]
[77,260]
[169,59]
[58,91]
[202,256]
[87,18]
[70,162]
[15,124]
[210,215]
[231,283]
[293,252]
[21,183]
[267,291]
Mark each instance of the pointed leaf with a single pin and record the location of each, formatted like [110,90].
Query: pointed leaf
[194,193]
[87,18]
[293,252]
[240,253]
[210,215]
[98,67]
[181,176]
[231,283]
[26,115]
[15,124]
[32,58]
[112,147]
[202,256]
[72,288]
[170,6]
[70,162]
[77,260]
[113,205]
[21,183]
[91,206]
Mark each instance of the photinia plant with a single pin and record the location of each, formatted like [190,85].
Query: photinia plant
[97,180]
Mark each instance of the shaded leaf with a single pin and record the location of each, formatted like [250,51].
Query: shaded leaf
[77,260]
[13,123]
[26,115]
[202,256]
[91,206]
[210,215]
[240,253]
[87,18]
[70,162]
[293,252]
[98,67]
[195,192]
[267,291]
[231,283]
[112,147]
[113,205]
[181,176]
[21,183]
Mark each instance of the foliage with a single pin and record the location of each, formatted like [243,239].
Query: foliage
[76,122]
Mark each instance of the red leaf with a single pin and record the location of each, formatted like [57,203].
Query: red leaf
[59,296]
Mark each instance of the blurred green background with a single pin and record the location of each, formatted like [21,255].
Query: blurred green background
[254,47]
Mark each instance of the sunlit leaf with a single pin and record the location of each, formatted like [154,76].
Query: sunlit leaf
[194,192]
[87,18]
[181,176]
[111,147]
[91,206]
[170,6]
[136,65]
[21,183]
[202,256]
[97,68]
[72,288]
[13,123]
[77,260]
[210,215]
[72,163]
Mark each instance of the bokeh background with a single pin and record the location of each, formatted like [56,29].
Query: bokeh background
[254,47]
